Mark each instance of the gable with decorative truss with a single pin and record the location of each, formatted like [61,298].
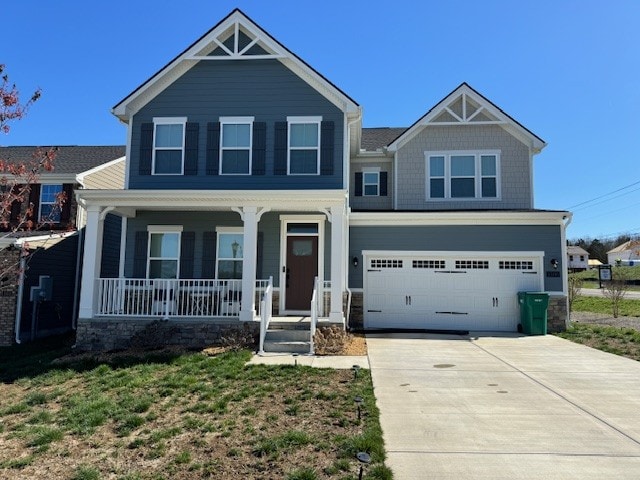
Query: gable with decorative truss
[236,37]
[465,106]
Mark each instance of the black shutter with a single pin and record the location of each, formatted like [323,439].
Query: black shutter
[16,208]
[209,255]
[383,184]
[65,213]
[146,148]
[34,203]
[326,148]
[280,149]
[140,255]
[192,132]
[259,255]
[358,185]
[259,148]
[187,247]
[213,148]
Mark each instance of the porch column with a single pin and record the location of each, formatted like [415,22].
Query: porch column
[337,263]
[250,256]
[91,262]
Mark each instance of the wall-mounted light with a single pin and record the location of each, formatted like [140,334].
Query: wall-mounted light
[554,263]
[355,261]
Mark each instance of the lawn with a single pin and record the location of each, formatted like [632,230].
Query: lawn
[181,415]
[590,277]
[620,341]
[628,307]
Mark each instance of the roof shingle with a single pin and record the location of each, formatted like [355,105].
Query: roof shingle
[71,159]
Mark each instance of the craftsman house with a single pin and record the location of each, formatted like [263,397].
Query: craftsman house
[253,192]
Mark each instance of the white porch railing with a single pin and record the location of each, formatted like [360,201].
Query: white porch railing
[141,297]
[266,303]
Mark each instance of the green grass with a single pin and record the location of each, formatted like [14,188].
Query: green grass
[182,415]
[620,341]
[628,307]
[590,277]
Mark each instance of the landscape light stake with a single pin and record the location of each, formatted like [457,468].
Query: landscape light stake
[358,401]
[295,359]
[356,369]
[364,459]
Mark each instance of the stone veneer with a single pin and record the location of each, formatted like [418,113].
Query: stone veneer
[114,334]
[556,313]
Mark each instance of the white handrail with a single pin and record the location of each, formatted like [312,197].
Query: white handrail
[314,315]
[265,314]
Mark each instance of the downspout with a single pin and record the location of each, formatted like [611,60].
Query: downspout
[23,265]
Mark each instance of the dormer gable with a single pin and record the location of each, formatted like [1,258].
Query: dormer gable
[235,38]
[466,106]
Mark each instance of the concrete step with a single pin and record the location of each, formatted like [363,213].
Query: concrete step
[284,325]
[286,347]
[288,335]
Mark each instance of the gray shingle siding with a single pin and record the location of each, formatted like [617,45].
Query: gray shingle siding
[514,166]
[264,89]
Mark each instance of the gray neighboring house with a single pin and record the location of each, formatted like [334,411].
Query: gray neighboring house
[55,248]
[253,192]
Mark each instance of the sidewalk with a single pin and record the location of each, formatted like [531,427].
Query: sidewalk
[317,361]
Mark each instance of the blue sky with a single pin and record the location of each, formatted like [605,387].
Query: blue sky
[568,70]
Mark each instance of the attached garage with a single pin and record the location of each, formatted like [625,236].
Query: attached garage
[447,290]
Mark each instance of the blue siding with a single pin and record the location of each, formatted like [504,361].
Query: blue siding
[491,238]
[110,260]
[264,89]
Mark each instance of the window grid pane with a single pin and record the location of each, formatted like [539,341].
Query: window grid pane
[49,210]
[230,255]
[371,182]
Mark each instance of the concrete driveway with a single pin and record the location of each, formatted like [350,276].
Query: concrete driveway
[512,407]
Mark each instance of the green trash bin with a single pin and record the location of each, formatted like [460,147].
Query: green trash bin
[523,311]
[534,317]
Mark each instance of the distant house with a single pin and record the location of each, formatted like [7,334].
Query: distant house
[594,263]
[44,300]
[577,258]
[626,254]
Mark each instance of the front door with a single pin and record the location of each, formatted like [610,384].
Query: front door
[301,269]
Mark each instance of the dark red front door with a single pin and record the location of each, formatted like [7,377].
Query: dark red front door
[301,269]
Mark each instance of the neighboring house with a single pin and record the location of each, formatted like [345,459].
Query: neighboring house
[594,263]
[578,258]
[53,247]
[249,175]
[627,253]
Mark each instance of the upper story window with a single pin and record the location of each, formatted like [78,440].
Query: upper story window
[230,252]
[49,206]
[304,145]
[164,251]
[168,145]
[371,184]
[235,145]
[462,175]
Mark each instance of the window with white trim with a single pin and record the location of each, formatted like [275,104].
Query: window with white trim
[462,175]
[49,206]
[168,145]
[229,252]
[304,145]
[164,252]
[235,145]
[371,183]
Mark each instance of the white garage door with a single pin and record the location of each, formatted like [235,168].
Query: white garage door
[448,290]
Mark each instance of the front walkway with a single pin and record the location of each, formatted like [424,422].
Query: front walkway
[505,407]
[322,361]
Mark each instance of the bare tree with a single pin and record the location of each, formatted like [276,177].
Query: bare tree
[17,176]
[575,284]
[615,290]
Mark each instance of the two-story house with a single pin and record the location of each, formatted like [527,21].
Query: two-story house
[249,176]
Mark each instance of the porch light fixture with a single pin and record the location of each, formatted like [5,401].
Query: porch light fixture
[554,263]
[355,261]
[365,459]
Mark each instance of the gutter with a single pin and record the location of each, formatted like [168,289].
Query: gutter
[23,265]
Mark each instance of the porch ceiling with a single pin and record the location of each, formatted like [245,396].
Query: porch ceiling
[211,200]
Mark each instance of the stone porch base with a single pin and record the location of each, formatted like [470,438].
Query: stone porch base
[114,334]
